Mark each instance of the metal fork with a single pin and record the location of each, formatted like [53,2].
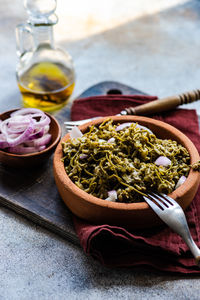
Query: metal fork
[70,124]
[172,214]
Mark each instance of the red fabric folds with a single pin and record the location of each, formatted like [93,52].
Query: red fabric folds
[157,248]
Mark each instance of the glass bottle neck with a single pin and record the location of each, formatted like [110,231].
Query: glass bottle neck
[43,35]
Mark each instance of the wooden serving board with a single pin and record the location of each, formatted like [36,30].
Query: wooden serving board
[33,193]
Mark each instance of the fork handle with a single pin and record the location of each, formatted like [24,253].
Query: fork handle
[193,248]
[164,104]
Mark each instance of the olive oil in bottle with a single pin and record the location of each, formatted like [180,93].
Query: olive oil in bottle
[46,86]
[45,73]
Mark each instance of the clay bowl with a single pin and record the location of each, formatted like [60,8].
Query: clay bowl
[131,215]
[32,159]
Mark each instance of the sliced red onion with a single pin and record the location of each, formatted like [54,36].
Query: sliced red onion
[143,127]
[131,165]
[3,143]
[25,131]
[75,133]
[15,131]
[102,141]
[36,134]
[44,120]
[22,137]
[34,113]
[14,124]
[17,123]
[29,143]
[41,148]
[111,140]
[27,111]
[163,161]
[83,156]
[44,140]
[112,196]
[46,129]
[125,125]
[122,126]
[181,180]
[20,149]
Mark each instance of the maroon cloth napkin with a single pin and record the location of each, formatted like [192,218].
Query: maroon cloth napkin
[157,248]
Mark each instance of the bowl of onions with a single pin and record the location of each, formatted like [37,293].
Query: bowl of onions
[28,137]
[83,162]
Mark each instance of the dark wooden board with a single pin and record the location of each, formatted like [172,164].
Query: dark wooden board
[33,193]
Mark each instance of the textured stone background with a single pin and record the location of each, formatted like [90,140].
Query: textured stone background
[151,45]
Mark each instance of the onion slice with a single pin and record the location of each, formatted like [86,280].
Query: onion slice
[35,114]
[163,161]
[27,111]
[112,196]
[75,133]
[3,143]
[44,120]
[13,141]
[25,131]
[111,140]
[83,156]
[44,140]
[14,125]
[21,149]
[128,124]
[144,128]
[122,126]
[181,180]
[36,134]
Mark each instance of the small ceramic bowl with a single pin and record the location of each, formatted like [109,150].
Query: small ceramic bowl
[131,215]
[31,159]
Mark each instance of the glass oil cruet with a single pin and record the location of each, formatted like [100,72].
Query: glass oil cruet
[45,74]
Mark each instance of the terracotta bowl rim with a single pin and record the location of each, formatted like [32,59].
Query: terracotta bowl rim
[53,144]
[67,184]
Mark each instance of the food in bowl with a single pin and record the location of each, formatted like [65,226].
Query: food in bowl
[131,215]
[25,131]
[124,162]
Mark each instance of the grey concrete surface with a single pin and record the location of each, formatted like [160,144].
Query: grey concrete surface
[151,45]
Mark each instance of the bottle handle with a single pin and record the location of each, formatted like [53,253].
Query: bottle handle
[24,39]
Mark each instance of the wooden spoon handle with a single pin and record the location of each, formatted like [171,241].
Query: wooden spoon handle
[164,104]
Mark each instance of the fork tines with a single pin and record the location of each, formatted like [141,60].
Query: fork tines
[162,201]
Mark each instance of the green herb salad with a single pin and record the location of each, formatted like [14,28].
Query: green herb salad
[124,162]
